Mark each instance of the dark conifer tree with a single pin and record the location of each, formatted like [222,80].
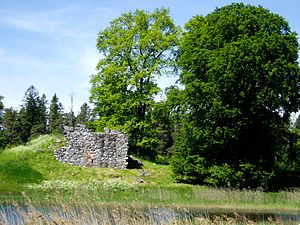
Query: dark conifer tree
[42,103]
[55,115]
[84,114]
[2,140]
[12,128]
[35,114]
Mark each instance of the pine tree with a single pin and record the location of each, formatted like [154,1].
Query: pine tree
[34,114]
[42,107]
[55,115]
[84,114]
[12,127]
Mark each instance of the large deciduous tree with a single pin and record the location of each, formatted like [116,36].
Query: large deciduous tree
[242,82]
[135,49]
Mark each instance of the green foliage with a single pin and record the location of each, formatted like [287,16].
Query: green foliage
[137,48]
[221,176]
[2,139]
[42,118]
[33,114]
[227,176]
[20,126]
[189,168]
[166,117]
[1,109]
[55,115]
[297,123]
[241,76]
[27,123]
[12,127]
[84,114]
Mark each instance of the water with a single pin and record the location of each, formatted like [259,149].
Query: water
[99,214]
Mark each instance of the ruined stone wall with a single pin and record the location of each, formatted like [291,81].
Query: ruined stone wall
[94,149]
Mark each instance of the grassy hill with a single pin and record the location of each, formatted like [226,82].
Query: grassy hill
[26,166]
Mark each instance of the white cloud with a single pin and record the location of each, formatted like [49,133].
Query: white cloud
[62,21]
[54,50]
[36,22]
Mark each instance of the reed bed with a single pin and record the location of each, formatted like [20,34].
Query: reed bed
[102,214]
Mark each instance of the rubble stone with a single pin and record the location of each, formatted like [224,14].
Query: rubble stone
[94,149]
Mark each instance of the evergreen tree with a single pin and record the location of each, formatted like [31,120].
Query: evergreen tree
[1,107]
[35,114]
[22,125]
[43,116]
[166,116]
[13,134]
[69,119]
[55,115]
[1,112]
[2,139]
[84,114]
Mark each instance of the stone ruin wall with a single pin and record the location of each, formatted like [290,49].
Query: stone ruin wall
[93,149]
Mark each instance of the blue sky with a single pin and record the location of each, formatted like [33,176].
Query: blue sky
[52,44]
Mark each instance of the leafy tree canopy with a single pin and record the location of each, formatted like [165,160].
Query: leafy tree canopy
[137,47]
[242,82]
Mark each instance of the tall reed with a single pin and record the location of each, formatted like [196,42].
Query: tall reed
[54,213]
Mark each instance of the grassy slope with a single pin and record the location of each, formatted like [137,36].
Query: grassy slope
[33,169]
[34,163]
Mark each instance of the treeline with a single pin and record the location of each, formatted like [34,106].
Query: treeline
[229,125]
[36,117]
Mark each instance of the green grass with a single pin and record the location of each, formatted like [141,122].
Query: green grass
[33,170]
[34,164]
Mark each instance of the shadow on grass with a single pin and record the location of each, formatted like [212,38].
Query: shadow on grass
[134,163]
[20,172]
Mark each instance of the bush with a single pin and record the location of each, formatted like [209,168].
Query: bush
[246,176]
[190,169]
[221,176]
